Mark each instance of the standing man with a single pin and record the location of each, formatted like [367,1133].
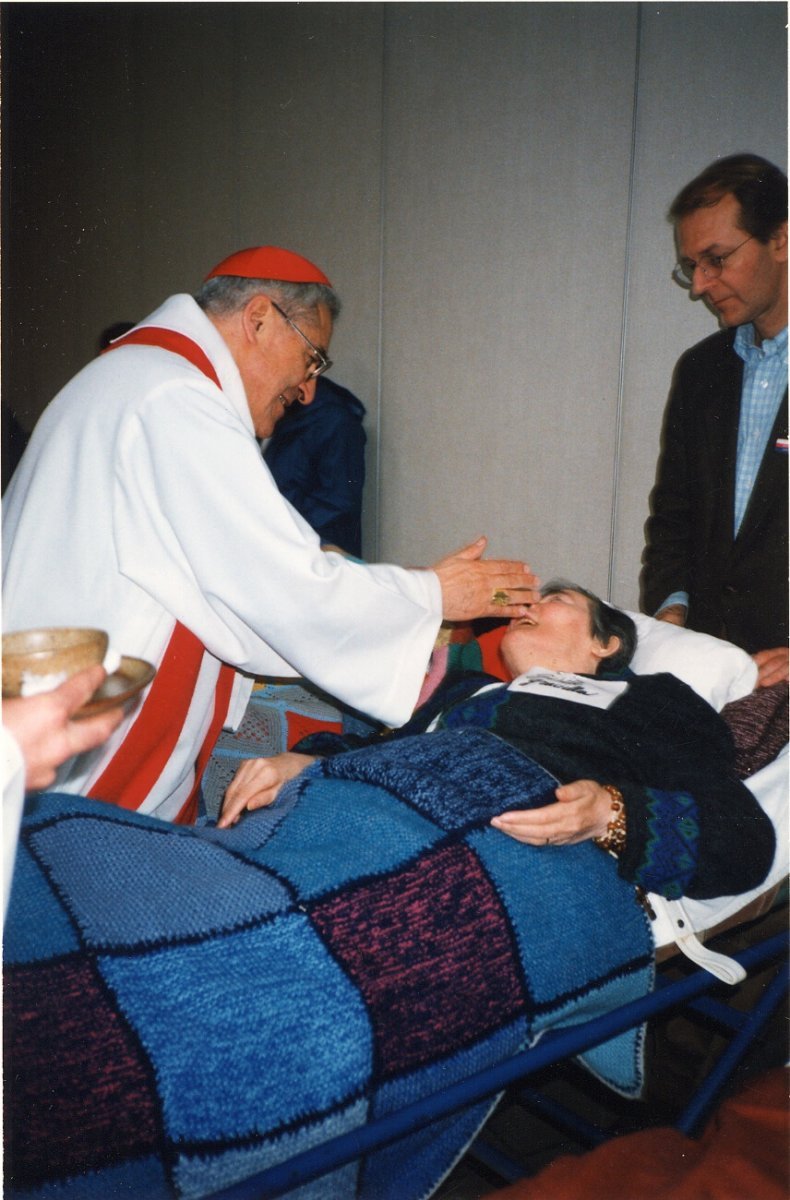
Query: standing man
[716,557]
[142,506]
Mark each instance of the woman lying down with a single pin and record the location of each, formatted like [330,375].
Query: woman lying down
[186,1007]
[645,765]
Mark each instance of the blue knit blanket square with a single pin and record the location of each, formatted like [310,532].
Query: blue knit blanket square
[186,1007]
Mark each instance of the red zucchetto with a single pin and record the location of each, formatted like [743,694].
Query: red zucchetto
[270,262]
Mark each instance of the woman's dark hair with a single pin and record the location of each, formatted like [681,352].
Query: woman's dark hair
[759,187]
[606,622]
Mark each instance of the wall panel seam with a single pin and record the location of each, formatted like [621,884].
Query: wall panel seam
[382,243]
[619,411]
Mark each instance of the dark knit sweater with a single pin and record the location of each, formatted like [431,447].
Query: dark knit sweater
[692,827]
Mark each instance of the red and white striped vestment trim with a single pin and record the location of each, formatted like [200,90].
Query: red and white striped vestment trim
[144,753]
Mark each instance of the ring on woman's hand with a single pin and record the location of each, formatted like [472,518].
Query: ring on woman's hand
[500,598]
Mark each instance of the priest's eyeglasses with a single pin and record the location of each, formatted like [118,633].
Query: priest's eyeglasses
[320,361]
[711,265]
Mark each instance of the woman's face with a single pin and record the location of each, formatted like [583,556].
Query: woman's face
[555,634]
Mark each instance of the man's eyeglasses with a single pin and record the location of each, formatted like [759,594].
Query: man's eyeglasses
[320,361]
[711,265]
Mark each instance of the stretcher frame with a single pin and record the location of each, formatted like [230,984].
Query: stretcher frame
[692,992]
[700,993]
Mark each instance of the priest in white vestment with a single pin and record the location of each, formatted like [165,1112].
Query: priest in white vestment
[142,506]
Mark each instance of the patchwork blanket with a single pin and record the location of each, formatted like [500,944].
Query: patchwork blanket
[185,1007]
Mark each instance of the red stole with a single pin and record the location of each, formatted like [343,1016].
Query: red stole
[142,756]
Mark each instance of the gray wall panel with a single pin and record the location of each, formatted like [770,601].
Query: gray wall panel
[485,183]
[503,277]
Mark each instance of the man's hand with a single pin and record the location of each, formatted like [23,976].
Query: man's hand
[773,666]
[257,783]
[673,614]
[45,732]
[582,812]
[468,585]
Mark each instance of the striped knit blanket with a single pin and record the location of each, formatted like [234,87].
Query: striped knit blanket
[185,1007]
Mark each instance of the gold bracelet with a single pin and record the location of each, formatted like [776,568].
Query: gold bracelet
[614,838]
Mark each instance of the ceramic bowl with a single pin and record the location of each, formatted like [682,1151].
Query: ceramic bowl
[38,660]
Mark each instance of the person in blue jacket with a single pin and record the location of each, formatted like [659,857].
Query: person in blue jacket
[317,458]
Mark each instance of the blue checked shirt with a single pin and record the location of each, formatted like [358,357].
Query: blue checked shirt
[764,385]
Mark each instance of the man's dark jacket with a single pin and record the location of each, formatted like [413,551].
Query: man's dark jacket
[738,587]
[317,457]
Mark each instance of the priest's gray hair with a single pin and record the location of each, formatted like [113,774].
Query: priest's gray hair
[224,295]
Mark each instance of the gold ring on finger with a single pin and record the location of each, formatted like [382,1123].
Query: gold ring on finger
[500,598]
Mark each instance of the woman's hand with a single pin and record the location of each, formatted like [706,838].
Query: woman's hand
[257,783]
[583,811]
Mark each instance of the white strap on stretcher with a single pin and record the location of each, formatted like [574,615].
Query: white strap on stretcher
[686,940]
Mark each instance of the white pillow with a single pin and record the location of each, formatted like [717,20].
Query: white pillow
[716,670]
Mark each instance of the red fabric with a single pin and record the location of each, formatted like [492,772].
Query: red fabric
[300,726]
[143,755]
[270,262]
[222,694]
[742,1155]
[493,663]
[168,339]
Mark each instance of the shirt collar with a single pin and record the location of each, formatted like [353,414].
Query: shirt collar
[745,345]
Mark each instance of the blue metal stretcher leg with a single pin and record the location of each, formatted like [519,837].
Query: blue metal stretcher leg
[554,1113]
[705,1095]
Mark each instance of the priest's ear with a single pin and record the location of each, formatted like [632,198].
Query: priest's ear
[256,316]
